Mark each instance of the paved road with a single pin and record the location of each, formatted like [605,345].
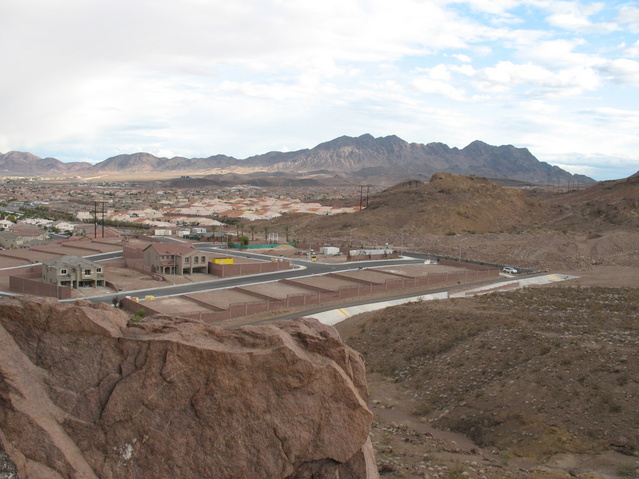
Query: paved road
[105,256]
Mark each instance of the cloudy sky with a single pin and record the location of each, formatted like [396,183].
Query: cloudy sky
[85,80]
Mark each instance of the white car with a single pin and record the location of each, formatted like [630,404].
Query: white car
[509,270]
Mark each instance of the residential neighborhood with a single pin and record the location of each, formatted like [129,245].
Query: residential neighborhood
[124,205]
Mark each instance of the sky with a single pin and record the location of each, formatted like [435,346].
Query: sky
[86,80]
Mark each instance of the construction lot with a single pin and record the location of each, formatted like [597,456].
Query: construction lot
[225,305]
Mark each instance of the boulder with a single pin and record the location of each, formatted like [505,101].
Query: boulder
[85,393]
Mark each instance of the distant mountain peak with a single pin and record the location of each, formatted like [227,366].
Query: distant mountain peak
[365,158]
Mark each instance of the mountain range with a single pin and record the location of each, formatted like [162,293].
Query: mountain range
[345,159]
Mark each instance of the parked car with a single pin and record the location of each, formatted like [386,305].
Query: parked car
[509,270]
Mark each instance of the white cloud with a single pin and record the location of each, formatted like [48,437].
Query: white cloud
[629,17]
[462,58]
[541,81]
[429,85]
[575,15]
[622,71]
[631,50]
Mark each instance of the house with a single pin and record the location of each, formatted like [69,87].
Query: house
[175,258]
[73,271]
[62,225]
[6,224]
[17,239]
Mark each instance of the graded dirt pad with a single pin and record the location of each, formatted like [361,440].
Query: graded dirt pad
[278,290]
[224,298]
[131,280]
[8,259]
[539,382]
[330,283]
[25,256]
[175,305]
[419,270]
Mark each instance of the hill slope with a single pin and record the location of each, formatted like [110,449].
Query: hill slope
[547,375]
[16,163]
[606,203]
[447,203]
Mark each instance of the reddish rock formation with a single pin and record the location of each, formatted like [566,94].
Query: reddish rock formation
[84,393]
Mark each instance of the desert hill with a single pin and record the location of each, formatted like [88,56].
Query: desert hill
[452,203]
[447,203]
[458,204]
[16,163]
[543,381]
[360,160]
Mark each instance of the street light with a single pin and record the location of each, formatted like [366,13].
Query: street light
[460,245]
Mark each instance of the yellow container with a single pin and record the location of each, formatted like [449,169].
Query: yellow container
[149,298]
[223,260]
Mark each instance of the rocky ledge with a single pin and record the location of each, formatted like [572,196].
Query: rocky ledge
[86,393]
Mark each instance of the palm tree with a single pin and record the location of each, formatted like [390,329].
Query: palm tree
[252,228]
[286,230]
[266,233]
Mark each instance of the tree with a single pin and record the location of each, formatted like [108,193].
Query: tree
[286,231]
[243,241]
[266,233]
[252,228]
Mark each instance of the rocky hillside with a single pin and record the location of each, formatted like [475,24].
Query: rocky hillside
[364,159]
[86,393]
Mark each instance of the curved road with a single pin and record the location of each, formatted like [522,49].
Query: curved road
[303,268]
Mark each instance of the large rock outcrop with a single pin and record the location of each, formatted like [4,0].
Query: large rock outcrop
[85,393]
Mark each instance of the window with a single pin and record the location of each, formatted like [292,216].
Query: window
[99,270]
[195,259]
[87,272]
[63,271]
